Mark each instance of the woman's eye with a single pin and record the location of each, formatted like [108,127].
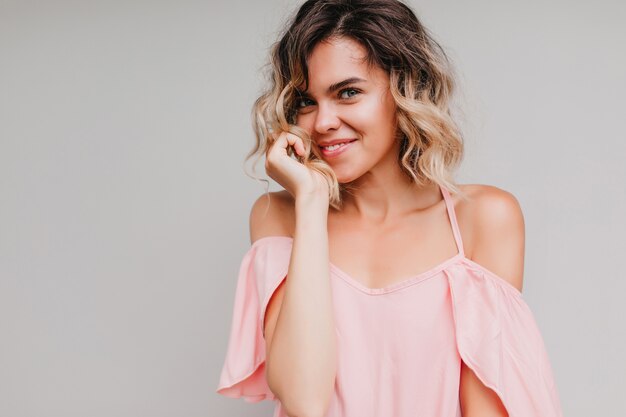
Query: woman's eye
[302,102]
[347,90]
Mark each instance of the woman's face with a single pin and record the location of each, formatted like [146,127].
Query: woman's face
[359,109]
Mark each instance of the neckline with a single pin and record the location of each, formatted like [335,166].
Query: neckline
[414,279]
[459,257]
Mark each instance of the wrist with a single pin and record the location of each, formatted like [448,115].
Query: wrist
[313,201]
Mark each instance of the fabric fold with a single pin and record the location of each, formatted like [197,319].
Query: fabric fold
[498,338]
[262,269]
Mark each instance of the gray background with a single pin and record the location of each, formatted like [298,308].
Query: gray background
[124,204]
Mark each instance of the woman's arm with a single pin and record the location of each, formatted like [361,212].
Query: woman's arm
[498,245]
[477,400]
[299,326]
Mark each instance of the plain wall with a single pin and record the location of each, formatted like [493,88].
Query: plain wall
[124,204]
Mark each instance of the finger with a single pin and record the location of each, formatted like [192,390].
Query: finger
[284,141]
[279,142]
[289,139]
[300,147]
[297,143]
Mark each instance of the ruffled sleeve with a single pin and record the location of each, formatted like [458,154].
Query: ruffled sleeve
[498,338]
[261,271]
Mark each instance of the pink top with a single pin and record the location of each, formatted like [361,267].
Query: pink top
[400,347]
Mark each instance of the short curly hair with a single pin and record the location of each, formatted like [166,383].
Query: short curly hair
[421,82]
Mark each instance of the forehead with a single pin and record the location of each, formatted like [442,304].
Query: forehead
[336,59]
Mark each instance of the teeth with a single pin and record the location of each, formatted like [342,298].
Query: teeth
[333,147]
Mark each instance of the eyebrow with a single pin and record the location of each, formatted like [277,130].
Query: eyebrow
[336,86]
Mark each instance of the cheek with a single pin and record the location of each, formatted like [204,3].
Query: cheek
[306,122]
[374,117]
[371,116]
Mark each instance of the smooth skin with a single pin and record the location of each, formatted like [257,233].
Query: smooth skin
[401,229]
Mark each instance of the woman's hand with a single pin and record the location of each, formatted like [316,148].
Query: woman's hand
[299,180]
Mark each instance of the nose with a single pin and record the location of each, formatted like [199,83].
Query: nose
[326,118]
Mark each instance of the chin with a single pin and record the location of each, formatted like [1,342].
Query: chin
[346,172]
[345,179]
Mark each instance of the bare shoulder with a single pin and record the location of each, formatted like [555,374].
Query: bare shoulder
[497,231]
[491,203]
[272,214]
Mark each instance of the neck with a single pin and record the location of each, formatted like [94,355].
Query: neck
[380,197]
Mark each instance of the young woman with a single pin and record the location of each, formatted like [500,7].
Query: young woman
[374,285]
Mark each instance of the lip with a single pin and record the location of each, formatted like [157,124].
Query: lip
[336,152]
[335,141]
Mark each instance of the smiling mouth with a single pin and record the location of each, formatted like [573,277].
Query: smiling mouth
[336,146]
[336,150]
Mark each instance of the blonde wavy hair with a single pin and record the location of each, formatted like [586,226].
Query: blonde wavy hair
[421,82]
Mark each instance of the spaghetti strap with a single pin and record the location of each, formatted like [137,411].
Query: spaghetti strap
[453,221]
